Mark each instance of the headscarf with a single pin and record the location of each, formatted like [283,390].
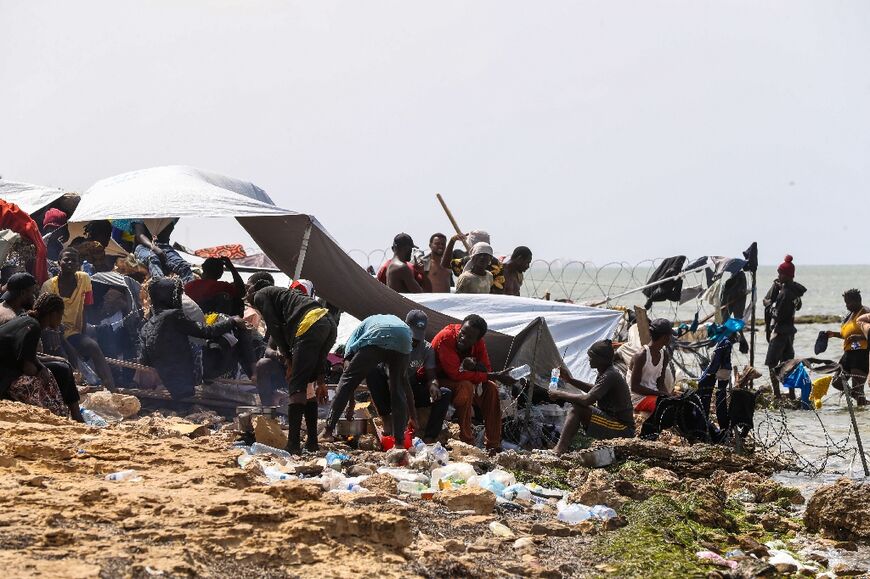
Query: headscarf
[19,338]
[476,236]
[165,294]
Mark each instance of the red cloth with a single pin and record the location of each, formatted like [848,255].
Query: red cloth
[232,251]
[449,360]
[11,217]
[648,404]
[201,290]
[382,272]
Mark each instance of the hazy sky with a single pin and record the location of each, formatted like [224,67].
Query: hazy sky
[608,130]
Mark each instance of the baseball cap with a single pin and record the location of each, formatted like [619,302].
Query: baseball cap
[417,320]
[661,327]
[481,247]
[403,239]
[16,284]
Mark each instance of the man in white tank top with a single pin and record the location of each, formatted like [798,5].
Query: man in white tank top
[647,370]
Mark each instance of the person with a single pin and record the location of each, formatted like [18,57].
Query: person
[117,328]
[165,337]
[436,278]
[74,286]
[213,295]
[855,362]
[305,286]
[514,268]
[23,378]
[457,260]
[92,246]
[18,297]
[398,273]
[54,232]
[154,251]
[427,393]
[783,299]
[647,369]
[303,333]
[379,339]
[603,409]
[464,368]
[476,279]
[48,311]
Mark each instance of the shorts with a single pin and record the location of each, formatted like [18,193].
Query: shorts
[603,426]
[647,404]
[856,362]
[779,350]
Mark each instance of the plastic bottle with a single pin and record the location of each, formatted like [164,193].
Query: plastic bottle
[258,448]
[520,372]
[91,418]
[603,512]
[573,513]
[555,374]
[274,474]
[412,488]
[517,492]
[440,454]
[123,475]
[501,530]
[334,459]
[417,446]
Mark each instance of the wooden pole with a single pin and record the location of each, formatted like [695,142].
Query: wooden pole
[453,221]
[848,391]
[752,330]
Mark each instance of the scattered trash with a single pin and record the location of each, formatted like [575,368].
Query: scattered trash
[716,559]
[129,475]
[91,418]
[111,406]
[501,530]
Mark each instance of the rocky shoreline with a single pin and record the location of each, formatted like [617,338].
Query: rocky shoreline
[193,511]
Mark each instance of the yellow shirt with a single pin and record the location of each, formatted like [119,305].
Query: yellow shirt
[853,336]
[74,305]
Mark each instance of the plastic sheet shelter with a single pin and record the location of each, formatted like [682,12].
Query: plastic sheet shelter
[29,198]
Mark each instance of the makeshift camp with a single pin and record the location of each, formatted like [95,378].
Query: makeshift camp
[30,198]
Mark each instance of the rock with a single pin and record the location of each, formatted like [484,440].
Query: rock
[841,510]
[466,498]
[472,521]
[524,544]
[846,545]
[551,528]
[819,558]
[784,568]
[397,457]
[660,475]
[110,405]
[360,499]
[752,547]
[382,483]
[843,569]
[597,489]
[460,450]
[359,470]
[586,528]
[308,469]
[762,489]
[615,523]
[268,431]
[36,481]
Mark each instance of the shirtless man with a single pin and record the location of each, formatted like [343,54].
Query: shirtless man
[399,271]
[437,277]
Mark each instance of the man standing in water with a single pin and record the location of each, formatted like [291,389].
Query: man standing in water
[855,363]
[780,304]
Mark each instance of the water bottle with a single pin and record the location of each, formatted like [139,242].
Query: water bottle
[121,475]
[273,474]
[407,487]
[554,378]
[258,448]
[602,512]
[91,418]
[417,446]
[574,513]
[520,372]
[440,454]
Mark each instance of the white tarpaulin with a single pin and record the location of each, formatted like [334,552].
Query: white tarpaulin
[29,198]
[574,328]
[173,191]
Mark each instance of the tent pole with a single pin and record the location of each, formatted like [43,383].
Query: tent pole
[303,249]
[752,328]
[649,285]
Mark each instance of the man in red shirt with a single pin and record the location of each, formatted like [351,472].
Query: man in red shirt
[464,368]
[213,295]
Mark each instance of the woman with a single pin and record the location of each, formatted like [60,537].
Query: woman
[48,311]
[164,337]
[23,378]
[855,361]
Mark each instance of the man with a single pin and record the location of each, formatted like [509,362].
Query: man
[464,368]
[476,279]
[514,268]
[855,362]
[457,260]
[18,297]
[54,232]
[398,273]
[604,408]
[780,304]
[74,286]
[436,278]
[647,369]
[426,391]
[213,295]
[379,339]
[155,252]
[304,333]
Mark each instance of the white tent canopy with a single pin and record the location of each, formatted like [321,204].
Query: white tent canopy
[574,328]
[29,198]
[171,192]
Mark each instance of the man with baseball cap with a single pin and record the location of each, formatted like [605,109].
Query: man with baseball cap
[428,394]
[476,279]
[397,273]
[18,296]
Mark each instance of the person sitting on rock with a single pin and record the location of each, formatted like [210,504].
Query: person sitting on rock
[603,409]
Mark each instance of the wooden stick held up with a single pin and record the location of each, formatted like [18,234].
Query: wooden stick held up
[453,221]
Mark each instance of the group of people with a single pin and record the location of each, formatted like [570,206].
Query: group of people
[781,304]
[443,267]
